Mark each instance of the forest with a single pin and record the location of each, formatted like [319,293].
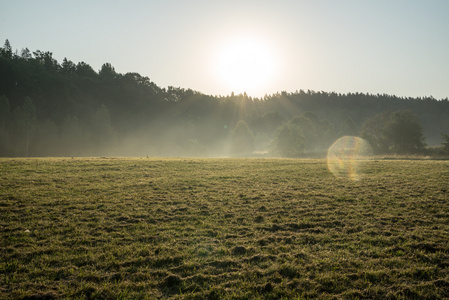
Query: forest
[49,108]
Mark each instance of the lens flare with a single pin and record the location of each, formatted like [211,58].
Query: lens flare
[346,157]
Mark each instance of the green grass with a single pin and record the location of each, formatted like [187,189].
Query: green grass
[222,229]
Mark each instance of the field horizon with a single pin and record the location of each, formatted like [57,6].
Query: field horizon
[223,228]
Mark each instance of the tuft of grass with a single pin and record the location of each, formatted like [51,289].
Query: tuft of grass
[222,229]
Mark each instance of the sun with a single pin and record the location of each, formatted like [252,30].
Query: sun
[245,64]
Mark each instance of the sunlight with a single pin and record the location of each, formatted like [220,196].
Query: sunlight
[245,64]
[347,156]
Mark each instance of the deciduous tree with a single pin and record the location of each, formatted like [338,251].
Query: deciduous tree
[289,141]
[399,132]
[404,133]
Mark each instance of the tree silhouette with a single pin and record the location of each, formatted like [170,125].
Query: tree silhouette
[46,59]
[399,132]
[68,67]
[26,54]
[373,132]
[445,143]
[85,70]
[107,72]
[404,133]
[68,99]
[309,124]
[7,50]
[289,140]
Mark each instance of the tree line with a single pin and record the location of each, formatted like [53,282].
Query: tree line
[49,108]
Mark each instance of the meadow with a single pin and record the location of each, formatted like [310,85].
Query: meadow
[150,228]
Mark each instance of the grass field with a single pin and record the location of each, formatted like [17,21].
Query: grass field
[222,229]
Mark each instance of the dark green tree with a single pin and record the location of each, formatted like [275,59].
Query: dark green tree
[85,70]
[7,72]
[373,132]
[399,132]
[268,123]
[289,141]
[309,124]
[107,72]
[68,67]
[7,50]
[46,59]
[404,133]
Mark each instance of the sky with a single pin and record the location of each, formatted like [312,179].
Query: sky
[396,47]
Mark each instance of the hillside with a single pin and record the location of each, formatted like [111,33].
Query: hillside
[49,108]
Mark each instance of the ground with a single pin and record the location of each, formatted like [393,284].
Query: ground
[222,229]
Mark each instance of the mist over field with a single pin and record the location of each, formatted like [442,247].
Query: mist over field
[66,109]
[230,149]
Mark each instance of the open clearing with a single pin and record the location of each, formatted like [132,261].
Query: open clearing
[222,228]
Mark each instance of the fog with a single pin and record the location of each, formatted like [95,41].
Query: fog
[68,109]
[283,125]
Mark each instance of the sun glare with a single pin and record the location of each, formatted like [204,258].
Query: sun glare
[245,65]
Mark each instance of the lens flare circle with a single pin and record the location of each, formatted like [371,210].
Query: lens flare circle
[347,156]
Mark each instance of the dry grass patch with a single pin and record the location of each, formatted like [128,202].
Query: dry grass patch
[222,228]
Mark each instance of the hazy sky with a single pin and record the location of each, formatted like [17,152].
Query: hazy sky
[216,47]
